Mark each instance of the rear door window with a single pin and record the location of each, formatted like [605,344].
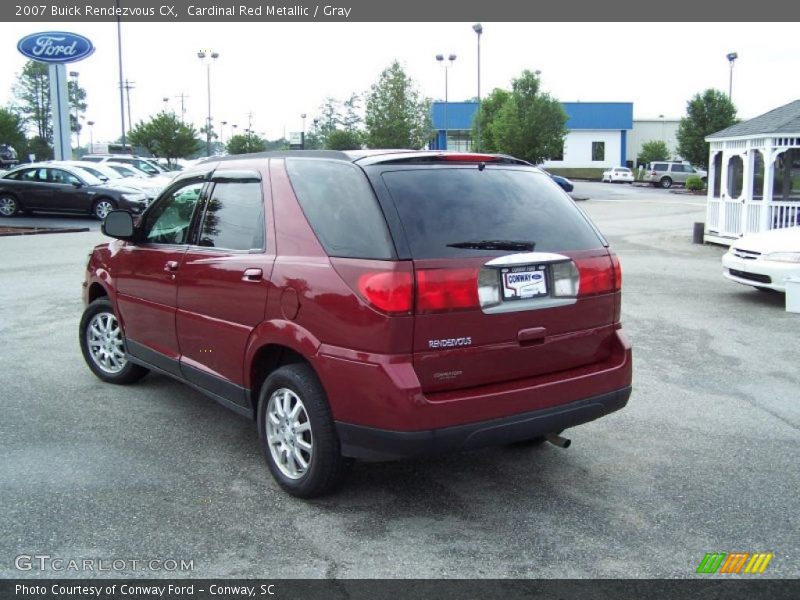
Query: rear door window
[442,206]
[341,208]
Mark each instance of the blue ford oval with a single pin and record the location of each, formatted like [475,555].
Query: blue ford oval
[55,47]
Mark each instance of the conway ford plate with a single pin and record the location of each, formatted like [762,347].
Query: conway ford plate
[520,283]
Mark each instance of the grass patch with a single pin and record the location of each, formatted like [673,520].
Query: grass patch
[592,174]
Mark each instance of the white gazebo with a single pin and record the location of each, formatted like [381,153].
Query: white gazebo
[754,176]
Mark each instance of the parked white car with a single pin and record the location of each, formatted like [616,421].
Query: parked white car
[623,174]
[764,259]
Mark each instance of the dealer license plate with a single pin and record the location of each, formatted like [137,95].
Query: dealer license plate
[520,283]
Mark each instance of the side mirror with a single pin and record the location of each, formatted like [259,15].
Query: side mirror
[118,224]
[77,184]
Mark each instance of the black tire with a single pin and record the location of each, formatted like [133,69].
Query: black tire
[101,207]
[9,205]
[665,183]
[127,371]
[326,467]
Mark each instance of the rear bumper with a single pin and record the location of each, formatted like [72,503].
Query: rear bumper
[368,443]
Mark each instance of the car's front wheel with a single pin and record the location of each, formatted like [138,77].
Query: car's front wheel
[102,207]
[297,433]
[8,205]
[103,345]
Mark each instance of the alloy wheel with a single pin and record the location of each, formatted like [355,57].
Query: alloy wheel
[8,206]
[289,433]
[102,208]
[105,343]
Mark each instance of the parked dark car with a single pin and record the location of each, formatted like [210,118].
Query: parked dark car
[60,188]
[365,305]
[564,183]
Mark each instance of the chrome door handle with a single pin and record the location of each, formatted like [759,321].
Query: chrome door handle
[171,265]
[252,275]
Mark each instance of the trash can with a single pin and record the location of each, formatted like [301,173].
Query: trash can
[792,294]
[698,232]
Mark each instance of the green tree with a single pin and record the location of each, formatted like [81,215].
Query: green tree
[32,100]
[706,113]
[166,136]
[12,130]
[342,139]
[246,143]
[486,114]
[330,117]
[396,116]
[530,125]
[653,150]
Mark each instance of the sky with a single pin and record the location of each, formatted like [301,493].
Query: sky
[278,71]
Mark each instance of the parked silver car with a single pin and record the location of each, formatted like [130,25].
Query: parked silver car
[665,173]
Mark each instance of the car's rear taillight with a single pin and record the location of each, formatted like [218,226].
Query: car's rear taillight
[386,286]
[443,290]
[388,291]
[565,279]
[598,275]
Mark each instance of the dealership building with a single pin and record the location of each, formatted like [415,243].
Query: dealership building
[597,132]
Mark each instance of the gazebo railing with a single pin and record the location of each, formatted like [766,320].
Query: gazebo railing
[784,214]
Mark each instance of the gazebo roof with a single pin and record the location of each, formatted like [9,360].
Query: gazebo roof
[782,120]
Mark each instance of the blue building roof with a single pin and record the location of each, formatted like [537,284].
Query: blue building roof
[582,115]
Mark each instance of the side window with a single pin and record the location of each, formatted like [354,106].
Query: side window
[341,208]
[234,217]
[660,166]
[59,176]
[143,166]
[598,151]
[169,221]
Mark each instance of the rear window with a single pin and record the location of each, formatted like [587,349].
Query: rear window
[441,206]
[341,208]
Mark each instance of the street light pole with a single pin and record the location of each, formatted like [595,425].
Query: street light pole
[478,29]
[303,133]
[450,58]
[91,136]
[212,56]
[731,56]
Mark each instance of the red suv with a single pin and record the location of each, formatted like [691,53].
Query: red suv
[365,305]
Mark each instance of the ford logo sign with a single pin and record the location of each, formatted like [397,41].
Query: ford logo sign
[55,47]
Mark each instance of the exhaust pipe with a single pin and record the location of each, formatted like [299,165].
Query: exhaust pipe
[557,440]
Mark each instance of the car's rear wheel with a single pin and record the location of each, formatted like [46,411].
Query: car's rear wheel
[297,433]
[666,182]
[103,345]
[102,207]
[8,205]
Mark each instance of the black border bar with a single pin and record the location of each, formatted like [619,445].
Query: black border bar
[752,587]
[197,11]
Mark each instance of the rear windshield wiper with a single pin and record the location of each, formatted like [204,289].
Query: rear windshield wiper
[495,245]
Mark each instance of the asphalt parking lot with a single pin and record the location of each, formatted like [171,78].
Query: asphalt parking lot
[704,458]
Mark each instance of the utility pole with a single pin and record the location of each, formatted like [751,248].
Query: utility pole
[182,97]
[129,85]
